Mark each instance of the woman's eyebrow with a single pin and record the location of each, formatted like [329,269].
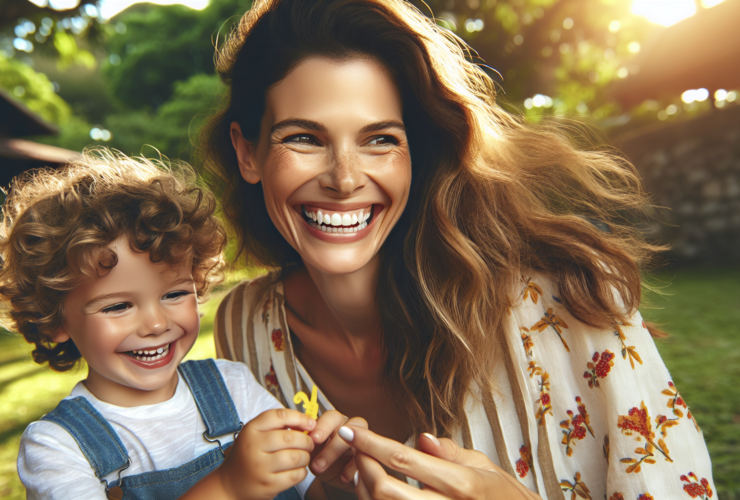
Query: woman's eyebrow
[298,122]
[384,125]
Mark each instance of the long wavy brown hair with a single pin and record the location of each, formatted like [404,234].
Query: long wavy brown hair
[57,225]
[491,198]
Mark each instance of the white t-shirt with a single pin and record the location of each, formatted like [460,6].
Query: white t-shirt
[157,437]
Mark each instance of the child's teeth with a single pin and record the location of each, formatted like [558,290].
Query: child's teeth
[160,350]
[354,219]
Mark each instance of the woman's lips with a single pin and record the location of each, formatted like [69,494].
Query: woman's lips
[343,225]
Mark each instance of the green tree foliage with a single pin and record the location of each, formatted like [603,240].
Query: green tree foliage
[162,45]
[34,90]
[171,127]
[568,49]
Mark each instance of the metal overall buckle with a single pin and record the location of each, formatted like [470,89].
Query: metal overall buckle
[116,493]
[214,440]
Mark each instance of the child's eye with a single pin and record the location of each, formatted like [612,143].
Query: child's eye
[175,295]
[117,307]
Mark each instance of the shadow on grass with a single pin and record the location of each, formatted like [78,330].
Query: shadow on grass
[10,361]
[35,371]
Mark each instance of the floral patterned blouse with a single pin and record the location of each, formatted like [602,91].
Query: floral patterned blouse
[578,413]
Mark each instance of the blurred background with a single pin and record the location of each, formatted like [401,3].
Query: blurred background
[657,79]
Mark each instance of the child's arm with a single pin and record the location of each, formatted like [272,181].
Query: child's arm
[269,456]
[52,467]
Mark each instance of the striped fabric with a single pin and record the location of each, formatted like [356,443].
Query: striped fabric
[577,412]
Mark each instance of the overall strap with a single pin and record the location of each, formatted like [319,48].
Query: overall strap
[96,438]
[212,397]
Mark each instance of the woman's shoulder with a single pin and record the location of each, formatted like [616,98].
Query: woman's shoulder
[244,296]
[243,313]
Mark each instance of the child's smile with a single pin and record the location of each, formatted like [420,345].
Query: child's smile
[133,326]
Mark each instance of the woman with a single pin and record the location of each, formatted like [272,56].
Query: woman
[435,270]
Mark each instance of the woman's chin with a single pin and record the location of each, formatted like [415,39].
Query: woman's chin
[339,261]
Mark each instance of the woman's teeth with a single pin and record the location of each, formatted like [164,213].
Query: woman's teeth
[338,223]
[150,355]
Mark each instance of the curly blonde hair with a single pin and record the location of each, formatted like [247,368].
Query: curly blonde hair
[57,225]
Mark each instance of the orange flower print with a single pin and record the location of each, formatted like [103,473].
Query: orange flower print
[616,496]
[533,290]
[645,496]
[627,350]
[526,340]
[637,421]
[533,369]
[553,320]
[278,340]
[545,402]
[525,462]
[696,488]
[676,402]
[579,424]
[271,382]
[599,366]
[577,488]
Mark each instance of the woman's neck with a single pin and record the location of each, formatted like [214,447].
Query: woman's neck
[341,306]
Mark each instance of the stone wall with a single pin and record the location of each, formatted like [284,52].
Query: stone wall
[692,170]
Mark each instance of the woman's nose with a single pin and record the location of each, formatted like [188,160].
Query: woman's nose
[344,176]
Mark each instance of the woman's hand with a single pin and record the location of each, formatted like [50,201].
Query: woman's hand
[332,461]
[445,470]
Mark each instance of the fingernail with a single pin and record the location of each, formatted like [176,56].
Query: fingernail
[319,464]
[357,477]
[347,434]
[432,439]
[318,434]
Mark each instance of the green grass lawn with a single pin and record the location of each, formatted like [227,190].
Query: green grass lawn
[701,310]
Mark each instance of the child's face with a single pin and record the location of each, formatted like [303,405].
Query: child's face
[138,306]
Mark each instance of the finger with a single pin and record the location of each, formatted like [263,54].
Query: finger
[333,450]
[446,449]
[281,481]
[285,460]
[326,425]
[286,439]
[280,419]
[348,473]
[373,482]
[444,476]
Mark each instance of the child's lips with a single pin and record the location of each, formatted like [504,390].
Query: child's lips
[152,357]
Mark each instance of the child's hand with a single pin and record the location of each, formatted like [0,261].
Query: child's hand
[332,460]
[269,456]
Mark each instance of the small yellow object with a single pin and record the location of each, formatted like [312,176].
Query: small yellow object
[310,406]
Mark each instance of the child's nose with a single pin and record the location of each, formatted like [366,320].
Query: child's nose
[154,322]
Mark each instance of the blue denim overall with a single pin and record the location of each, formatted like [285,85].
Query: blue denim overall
[104,450]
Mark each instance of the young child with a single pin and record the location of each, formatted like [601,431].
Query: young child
[106,260]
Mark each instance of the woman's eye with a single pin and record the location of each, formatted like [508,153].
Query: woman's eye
[175,295]
[302,139]
[117,307]
[383,140]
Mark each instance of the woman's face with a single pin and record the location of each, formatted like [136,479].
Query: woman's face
[333,160]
